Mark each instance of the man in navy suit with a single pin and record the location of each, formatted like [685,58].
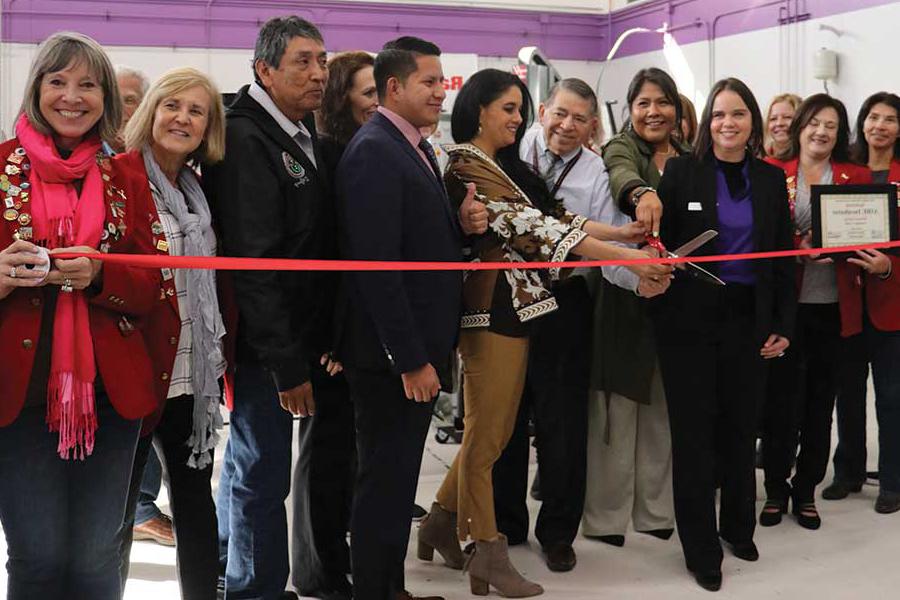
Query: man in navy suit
[399,329]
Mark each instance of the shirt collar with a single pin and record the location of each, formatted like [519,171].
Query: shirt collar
[409,131]
[291,128]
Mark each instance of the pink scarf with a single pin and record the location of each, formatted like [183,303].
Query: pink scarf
[62,219]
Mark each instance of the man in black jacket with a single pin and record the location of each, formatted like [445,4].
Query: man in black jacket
[270,200]
[399,328]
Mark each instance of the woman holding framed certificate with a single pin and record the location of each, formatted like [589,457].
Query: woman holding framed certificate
[806,380]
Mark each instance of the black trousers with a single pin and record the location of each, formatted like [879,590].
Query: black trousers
[803,388]
[390,439]
[323,490]
[713,381]
[556,395]
[190,495]
[850,453]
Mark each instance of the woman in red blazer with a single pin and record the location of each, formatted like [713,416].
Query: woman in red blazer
[181,122]
[74,359]
[877,313]
[804,382]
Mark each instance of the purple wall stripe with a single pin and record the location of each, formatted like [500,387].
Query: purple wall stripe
[346,25]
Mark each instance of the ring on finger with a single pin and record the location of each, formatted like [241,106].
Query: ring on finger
[67,286]
[13,273]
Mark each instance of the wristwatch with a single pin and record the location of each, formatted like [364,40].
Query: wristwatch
[639,191]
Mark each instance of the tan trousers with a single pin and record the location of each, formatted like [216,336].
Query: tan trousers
[630,478]
[494,368]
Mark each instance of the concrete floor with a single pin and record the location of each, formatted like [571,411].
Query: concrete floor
[853,555]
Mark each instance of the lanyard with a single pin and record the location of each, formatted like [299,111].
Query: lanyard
[562,176]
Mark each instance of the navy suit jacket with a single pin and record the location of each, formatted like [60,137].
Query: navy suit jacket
[392,207]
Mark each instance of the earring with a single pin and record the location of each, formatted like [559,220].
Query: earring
[479,129]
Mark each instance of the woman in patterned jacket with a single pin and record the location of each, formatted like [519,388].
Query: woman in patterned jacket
[525,225]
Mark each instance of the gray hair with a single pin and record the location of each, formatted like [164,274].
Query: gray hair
[577,87]
[124,71]
[276,34]
[58,52]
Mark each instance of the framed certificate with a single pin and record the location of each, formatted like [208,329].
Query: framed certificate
[848,215]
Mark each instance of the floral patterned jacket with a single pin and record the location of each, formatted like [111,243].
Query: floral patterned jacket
[517,232]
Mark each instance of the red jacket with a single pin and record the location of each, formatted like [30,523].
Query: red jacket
[128,295]
[882,296]
[162,327]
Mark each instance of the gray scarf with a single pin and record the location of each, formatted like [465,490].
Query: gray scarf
[188,206]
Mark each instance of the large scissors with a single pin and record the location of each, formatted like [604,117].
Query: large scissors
[693,269]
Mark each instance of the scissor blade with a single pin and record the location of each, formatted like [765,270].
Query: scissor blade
[695,243]
[702,274]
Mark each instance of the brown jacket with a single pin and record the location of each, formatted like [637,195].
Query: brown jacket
[517,232]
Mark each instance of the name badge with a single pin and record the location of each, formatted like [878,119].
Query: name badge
[695,206]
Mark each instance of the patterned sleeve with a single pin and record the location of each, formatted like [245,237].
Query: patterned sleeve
[528,234]
[534,236]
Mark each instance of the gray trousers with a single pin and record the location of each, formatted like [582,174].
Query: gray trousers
[629,464]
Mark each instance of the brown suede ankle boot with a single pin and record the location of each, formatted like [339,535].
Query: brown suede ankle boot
[438,532]
[489,566]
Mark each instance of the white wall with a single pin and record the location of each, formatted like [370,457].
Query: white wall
[620,4]
[770,61]
[230,69]
[776,60]
[583,69]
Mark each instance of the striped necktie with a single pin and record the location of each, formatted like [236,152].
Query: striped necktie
[425,146]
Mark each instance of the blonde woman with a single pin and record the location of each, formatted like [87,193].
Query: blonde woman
[777,128]
[181,123]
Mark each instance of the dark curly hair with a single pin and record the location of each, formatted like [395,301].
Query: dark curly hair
[336,114]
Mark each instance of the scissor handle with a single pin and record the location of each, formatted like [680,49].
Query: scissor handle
[655,242]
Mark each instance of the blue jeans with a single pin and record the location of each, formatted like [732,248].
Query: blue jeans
[884,349]
[62,517]
[255,481]
[150,484]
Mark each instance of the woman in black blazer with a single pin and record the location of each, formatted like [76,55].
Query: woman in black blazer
[713,340]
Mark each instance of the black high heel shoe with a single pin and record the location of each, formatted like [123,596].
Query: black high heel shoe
[613,540]
[710,580]
[807,515]
[772,511]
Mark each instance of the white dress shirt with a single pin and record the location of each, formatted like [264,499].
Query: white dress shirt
[584,191]
[297,131]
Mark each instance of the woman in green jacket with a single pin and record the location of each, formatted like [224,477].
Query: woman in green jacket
[629,448]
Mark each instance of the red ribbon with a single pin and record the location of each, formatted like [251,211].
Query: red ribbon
[227,263]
